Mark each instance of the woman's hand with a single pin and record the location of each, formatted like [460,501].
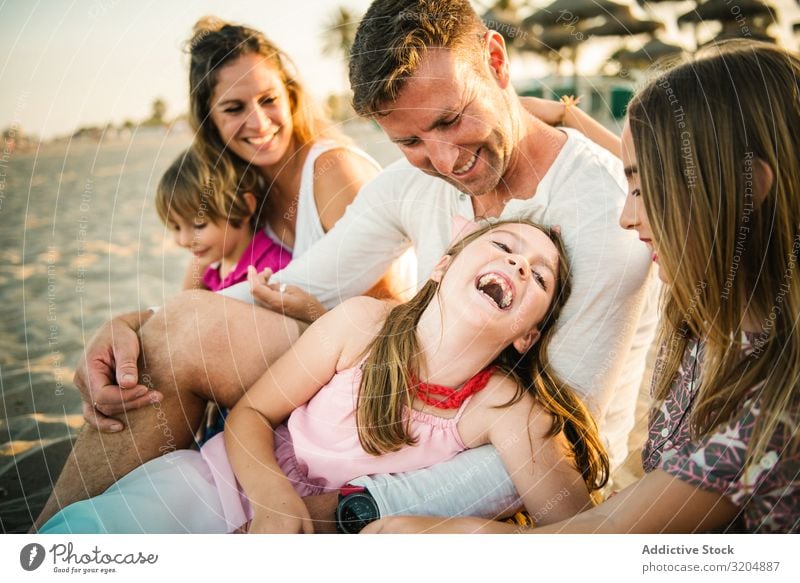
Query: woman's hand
[107,376]
[438,525]
[288,300]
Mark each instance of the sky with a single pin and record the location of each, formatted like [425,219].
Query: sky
[68,63]
[71,63]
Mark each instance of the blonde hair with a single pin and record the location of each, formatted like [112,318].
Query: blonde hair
[394,356]
[194,190]
[700,131]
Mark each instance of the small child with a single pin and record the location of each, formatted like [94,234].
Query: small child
[217,216]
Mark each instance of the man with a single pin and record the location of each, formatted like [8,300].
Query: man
[437,82]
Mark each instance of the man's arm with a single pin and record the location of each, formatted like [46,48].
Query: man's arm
[658,503]
[353,255]
[357,251]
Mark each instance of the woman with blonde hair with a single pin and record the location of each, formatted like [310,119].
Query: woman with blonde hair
[249,109]
[710,153]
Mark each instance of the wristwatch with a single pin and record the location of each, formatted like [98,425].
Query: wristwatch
[356,509]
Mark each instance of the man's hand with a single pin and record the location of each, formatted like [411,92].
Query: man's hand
[107,375]
[288,300]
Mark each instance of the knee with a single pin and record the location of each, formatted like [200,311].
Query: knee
[179,320]
[174,340]
[169,339]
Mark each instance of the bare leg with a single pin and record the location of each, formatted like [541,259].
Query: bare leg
[199,347]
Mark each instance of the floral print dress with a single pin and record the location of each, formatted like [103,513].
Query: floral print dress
[768,494]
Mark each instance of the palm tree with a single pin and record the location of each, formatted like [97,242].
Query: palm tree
[337,40]
[339,33]
[158,113]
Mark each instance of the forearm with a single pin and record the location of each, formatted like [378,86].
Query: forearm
[322,509]
[566,113]
[577,119]
[313,310]
[594,521]
[249,442]
[353,255]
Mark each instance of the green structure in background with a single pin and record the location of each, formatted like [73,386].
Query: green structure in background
[620,97]
[560,91]
[532,92]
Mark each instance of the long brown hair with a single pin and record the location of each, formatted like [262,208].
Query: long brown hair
[394,356]
[701,130]
[214,44]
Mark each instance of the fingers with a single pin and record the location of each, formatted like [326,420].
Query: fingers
[257,279]
[112,400]
[269,297]
[99,421]
[126,354]
[267,294]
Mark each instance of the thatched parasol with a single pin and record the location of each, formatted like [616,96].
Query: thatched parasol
[653,51]
[563,11]
[550,40]
[732,31]
[727,11]
[624,24]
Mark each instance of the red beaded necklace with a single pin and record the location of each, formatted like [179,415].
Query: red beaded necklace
[454,397]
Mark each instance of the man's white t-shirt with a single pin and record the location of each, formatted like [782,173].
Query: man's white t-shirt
[583,192]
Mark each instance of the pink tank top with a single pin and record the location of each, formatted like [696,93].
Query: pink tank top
[326,445]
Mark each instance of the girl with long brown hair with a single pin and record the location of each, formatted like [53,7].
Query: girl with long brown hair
[710,154]
[378,387]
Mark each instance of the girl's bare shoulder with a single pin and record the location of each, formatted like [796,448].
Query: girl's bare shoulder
[504,398]
[362,318]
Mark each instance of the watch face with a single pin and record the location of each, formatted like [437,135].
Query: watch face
[355,512]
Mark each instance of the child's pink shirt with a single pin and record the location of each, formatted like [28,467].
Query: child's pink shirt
[262,252]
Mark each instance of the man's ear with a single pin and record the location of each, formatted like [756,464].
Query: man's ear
[498,57]
[763,179]
[524,343]
[438,272]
